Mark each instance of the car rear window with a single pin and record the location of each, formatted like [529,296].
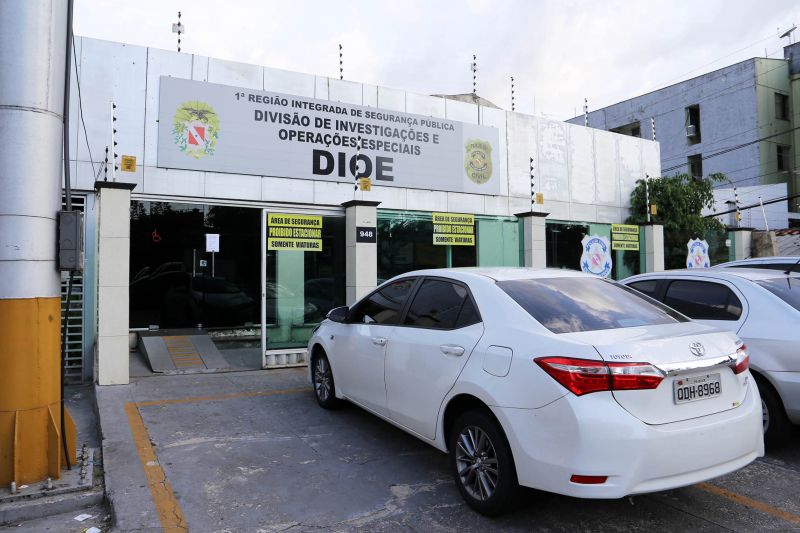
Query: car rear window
[566,305]
[787,289]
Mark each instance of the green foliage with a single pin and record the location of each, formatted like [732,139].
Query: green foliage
[680,200]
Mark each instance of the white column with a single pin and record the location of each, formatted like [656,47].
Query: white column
[362,257]
[534,238]
[741,239]
[113,262]
[653,248]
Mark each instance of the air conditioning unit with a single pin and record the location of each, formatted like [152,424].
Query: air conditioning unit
[691,130]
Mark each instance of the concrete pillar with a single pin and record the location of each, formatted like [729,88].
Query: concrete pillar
[113,261]
[33,37]
[652,257]
[534,238]
[362,257]
[741,239]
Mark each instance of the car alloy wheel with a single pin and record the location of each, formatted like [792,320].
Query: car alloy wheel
[477,463]
[324,385]
[482,463]
[322,379]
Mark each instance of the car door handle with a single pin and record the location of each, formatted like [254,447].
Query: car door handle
[379,341]
[452,349]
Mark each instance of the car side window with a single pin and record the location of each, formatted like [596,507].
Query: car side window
[437,305]
[647,287]
[383,306]
[469,314]
[703,300]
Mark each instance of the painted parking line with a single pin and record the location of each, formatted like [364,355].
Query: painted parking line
[168,510]
[751,503]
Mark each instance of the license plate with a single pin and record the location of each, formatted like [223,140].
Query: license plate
[696,388]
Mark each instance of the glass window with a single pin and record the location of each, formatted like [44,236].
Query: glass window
[563,243]
[787,289]
[405,243]
[782,106]
[566,305]
[175,283]
[468,315]
[385,305]
[436,305]
[703,300]
[647,287]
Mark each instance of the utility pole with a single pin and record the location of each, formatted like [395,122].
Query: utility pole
[33,45]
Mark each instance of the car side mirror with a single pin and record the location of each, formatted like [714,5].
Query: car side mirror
[338,314]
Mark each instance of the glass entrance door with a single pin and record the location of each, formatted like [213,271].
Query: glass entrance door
[304,275]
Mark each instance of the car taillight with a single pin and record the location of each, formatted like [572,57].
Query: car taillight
[582,376]
[742,360]
[634,376]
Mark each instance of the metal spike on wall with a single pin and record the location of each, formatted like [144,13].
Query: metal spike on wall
[533,187]
[114,154]
[105,166]
[341,63]
[647,195]
[512,93]
[586,112]
[736,202]
[179,29]
[474,75]
[653,126]
[355,171]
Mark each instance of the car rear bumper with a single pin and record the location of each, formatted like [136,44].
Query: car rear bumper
[596,437]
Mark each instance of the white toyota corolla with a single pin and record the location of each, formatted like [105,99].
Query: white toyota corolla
[549,379]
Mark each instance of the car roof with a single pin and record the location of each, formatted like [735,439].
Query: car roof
[760,261]
[732,274]
[498,273]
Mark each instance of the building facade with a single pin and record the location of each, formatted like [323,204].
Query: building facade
[738,120]
[238,192]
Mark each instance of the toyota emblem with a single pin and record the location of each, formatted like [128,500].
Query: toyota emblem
[697,349]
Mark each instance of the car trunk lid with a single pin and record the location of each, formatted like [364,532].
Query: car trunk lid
[696,360]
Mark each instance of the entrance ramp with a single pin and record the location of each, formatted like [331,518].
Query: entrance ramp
[181,352]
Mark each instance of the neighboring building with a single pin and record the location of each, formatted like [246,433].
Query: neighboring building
[212,156]
[737,120]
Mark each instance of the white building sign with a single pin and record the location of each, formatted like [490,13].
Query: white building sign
[219,128]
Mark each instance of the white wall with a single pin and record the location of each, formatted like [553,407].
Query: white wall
[776,213]
[585,174]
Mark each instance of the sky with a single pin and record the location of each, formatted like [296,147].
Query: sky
[559,52]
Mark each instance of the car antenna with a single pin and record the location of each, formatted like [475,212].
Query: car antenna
[791,268]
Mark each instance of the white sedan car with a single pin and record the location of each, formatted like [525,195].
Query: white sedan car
[550,379]
[762,306]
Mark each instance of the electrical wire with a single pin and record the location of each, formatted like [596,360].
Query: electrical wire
[80,109]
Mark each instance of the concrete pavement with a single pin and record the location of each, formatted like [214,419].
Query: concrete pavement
[252,451]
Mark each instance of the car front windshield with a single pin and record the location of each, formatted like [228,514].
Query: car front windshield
[787,289]
[571,304]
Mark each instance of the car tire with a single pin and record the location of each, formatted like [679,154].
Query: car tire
[777,427]
[322,379]
[477,446]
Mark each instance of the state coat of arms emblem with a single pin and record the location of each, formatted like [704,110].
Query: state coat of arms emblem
[196,129]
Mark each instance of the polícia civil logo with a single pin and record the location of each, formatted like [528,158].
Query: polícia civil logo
[196,129]
[478,160]
[596,257]
[698,254]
